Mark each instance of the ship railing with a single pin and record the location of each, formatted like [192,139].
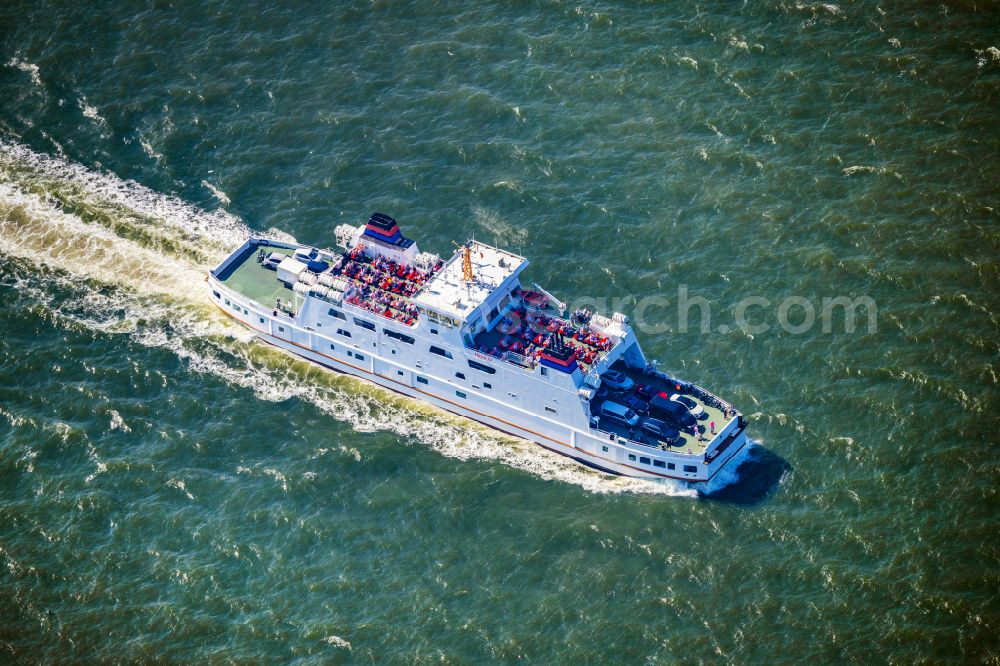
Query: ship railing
[615,437]
[563,322]
[518,359]
[669,448]
[707,397]
[612,436]
[712,454]
[659,447]
[568,323]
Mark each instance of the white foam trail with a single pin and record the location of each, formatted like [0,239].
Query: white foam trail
[90,111]
[851,170]
[34,229]
[28,68]
[161,303]
[219,229]
[147,148]
[217,193]
[117,422]
[337,641]
[729,474]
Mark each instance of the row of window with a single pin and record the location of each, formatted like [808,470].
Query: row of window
[486,385]
[643,460]
[360,322]
[402,337]
[461,375]
[434,316]
[281,329]
[396,335]
[482,367]
[233,305]
[352,354]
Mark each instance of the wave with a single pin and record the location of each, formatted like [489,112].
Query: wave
[122,200]
[90,111]
[217,193]
[730,474]
[78,231]
[28,68]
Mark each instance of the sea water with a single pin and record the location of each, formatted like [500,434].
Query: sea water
[172,490]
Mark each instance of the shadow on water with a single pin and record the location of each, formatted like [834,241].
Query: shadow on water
[757,478]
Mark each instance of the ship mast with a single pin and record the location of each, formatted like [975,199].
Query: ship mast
[467,275]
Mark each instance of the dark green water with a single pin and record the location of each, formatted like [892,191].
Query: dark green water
[172,491]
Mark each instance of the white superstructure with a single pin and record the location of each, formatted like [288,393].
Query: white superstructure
[463,334]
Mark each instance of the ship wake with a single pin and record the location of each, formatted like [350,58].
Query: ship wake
[134,262]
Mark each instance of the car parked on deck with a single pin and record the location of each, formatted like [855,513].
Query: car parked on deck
[660,430]
[693,407]
[672,412]
[634,402]
[644,391]
[619,413]
[617,380]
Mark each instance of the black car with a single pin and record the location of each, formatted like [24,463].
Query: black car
[634,402]
[671,411]
[659,430]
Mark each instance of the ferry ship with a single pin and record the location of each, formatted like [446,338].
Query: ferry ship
[465,335]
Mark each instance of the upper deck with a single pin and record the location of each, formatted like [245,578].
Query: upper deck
[250,278]
[451,294]
[526,330]
[377,284]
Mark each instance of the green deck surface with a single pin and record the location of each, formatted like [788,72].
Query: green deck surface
[258,283]
[688,441]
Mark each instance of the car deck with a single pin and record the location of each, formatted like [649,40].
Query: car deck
[688,442]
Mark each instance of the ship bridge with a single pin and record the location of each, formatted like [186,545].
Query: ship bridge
[451,294]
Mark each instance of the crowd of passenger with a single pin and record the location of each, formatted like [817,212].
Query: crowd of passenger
[529,334]
[384,286]
[384,274]
[384,304]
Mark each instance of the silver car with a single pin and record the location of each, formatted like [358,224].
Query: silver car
[617,380]
[693,407]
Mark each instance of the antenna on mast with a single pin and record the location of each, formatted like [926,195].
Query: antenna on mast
[466,249]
